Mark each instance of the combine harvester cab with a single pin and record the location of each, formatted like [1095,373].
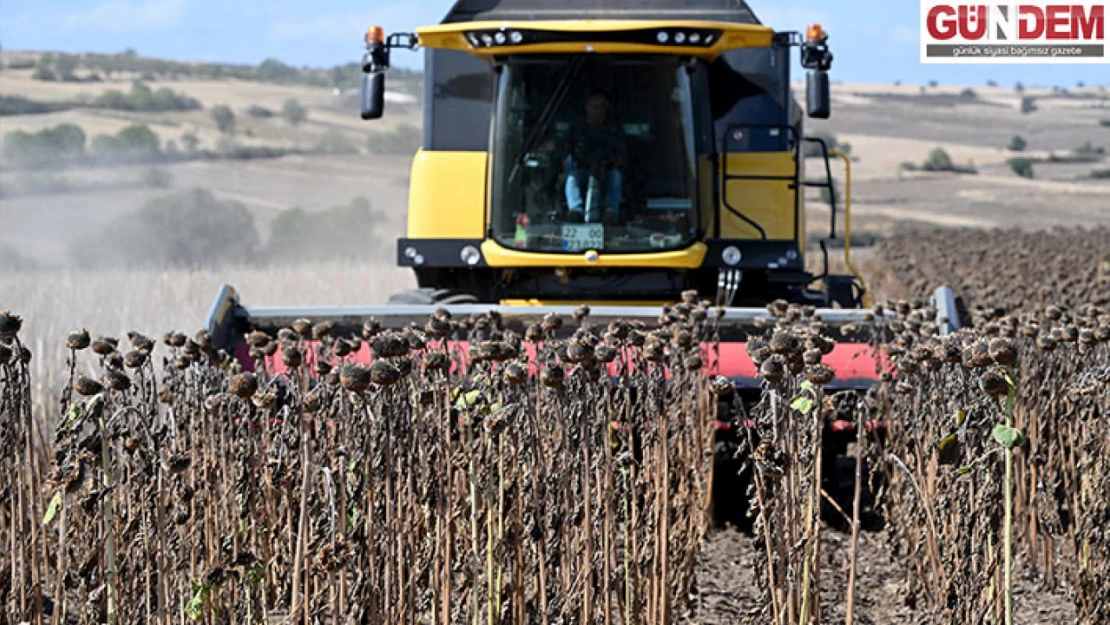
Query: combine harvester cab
[614,154]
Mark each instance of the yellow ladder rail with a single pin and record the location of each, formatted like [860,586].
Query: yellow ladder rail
[848,224]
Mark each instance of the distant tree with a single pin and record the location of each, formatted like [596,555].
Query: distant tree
[66,140]
[1017,144]
[968,94]
[47,146]
[139,139]
[339,232]
[1080,84]
[1028,104]
[932,83]
[43,73]
[65,65]
[1022,167]
[273,70]
[184,229]
[938,161]
[224,118]
[1019,87]
[991,83]
[293,112]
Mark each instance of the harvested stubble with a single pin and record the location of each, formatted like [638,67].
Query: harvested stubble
[1012,269]
[427,487]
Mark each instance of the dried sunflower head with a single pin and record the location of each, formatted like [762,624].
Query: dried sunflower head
[303,327]
[10,325]
[292,356]
[515,373]
[384,373]
[551,322]
[243,385]
[116,380]
[87,386]
[78,339]
[355,378]
[134,359]
[773,369]
[141,342]
[323,329]
[104,345]
[552,376]
[371,328]
[993,383]
[820,375]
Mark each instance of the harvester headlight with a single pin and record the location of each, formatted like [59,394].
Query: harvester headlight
[680,37]
[662,36]
[418,259]
[487,39]
[695,38]
[410,252]
[731,256]
[708,39]
[470,255]
[516,36]
[499,38]
[473,39]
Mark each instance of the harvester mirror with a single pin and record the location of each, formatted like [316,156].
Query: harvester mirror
[818,100]
[373,95]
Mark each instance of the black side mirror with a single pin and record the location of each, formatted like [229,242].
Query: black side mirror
[373,95]
[818,100]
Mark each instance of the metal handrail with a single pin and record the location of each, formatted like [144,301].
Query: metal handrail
[848,223]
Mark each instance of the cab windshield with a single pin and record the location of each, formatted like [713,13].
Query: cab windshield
[594,152]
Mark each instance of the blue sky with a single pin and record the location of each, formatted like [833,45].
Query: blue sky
[873,40]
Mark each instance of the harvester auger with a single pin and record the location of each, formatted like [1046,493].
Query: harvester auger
[614,154]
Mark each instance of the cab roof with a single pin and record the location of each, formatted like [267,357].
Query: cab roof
[734,11]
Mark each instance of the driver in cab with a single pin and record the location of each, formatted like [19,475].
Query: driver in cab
[596,152]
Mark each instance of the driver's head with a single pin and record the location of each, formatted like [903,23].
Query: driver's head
[597,107]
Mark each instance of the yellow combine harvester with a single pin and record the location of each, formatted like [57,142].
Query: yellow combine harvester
[615,153]
[620,151]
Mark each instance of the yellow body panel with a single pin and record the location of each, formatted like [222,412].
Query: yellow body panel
[447,195]
[769,203]
[689,258]
[453,37]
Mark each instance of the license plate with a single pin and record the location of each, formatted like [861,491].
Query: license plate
[582,237]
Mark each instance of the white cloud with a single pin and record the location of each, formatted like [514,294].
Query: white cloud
[120,16]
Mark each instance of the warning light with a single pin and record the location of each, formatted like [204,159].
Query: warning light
[375,35]
[815,33]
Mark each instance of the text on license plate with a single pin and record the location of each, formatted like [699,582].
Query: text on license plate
[582,237]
